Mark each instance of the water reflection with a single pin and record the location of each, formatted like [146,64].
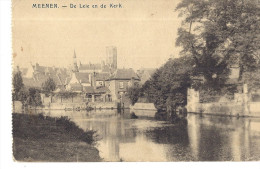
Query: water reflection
[208,138]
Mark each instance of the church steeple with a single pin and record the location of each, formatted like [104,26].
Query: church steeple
[75,66]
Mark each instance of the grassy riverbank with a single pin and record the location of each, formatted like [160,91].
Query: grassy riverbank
[40,138]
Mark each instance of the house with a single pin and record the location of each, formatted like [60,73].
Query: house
[90,85]
[79,78]
[103,87]
[88,79]
[119,82]
[101,78]
[99,94]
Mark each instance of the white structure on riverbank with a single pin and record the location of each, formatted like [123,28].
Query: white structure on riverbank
[243,104]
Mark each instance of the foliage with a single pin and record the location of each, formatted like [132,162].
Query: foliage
[34,97]
[23,95]
[253,79]
[49,85]
[168,86]
[133,93]
[218,34]
[17,84]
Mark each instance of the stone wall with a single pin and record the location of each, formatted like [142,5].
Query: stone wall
[242,105]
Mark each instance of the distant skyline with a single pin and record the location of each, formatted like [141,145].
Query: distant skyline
[144,33]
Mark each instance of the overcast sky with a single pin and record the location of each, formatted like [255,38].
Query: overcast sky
[144,32]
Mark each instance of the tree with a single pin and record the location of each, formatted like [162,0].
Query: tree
[34,97]
[23,95]
[49,85]
[219,33]
[168,85]
[17,84]
[253,79]
[133,93]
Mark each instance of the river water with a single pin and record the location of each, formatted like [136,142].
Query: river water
[207,138]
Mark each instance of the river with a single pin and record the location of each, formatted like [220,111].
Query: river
[207,138]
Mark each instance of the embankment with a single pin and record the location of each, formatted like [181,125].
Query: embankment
[43,138]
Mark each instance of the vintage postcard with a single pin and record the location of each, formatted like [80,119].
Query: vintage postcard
[135,80]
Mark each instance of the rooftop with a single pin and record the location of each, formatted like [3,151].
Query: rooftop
[89,67]
[124,74]
[83,77]
[102,76]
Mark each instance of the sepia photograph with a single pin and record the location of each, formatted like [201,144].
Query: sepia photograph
[135,80]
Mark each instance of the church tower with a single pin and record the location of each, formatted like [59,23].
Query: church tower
[75,66]
[111,59]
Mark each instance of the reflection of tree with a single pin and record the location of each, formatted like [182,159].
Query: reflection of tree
[177,134]
[213,144]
